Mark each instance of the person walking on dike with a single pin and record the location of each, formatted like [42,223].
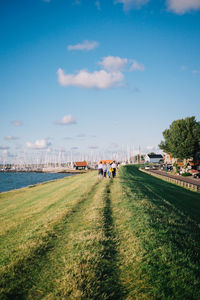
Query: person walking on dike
[105,169]
[114,167]
[100,170]
[108,170]
[111,171]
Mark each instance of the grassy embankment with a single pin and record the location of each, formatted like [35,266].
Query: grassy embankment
[134,237]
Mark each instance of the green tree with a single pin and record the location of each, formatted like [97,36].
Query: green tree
[182,139]
[152,153]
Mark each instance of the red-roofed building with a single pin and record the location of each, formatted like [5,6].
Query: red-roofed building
[108,161]
[81,165]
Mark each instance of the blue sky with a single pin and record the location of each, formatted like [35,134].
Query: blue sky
[96,75]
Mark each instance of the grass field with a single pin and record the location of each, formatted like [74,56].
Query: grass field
[134,237]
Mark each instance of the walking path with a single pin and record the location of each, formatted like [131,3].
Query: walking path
[190,183]
[181,178]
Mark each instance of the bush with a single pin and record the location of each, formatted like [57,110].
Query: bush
[186,174]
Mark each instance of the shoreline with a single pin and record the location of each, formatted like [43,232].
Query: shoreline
[46,171]
[38,183]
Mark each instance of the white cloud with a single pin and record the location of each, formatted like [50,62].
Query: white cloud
[111,75]
[17,123]
[84,46]
[11,138]
[129,4]
[116,63]
[4,147]
[149,149]
[136,66]
[5,152]
[195,71]
[39,144]
[113,63]
[98,79]
[183,6]
[67,120]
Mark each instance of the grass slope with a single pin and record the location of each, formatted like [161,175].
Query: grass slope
[160,223]
[134,237]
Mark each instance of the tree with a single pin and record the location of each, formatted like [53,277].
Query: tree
[182,139]
[152,153]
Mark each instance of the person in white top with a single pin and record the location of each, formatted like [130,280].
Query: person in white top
[105,169]
[114,167]
[100,170]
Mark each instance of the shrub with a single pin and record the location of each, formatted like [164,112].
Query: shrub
[186,174]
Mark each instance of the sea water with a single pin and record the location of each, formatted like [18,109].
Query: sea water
[16,180]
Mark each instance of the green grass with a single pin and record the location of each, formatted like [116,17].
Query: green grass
[161,221]
[134,237]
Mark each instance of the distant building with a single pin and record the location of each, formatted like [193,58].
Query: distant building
[81,165]
[107,161]
[153,158]
[168,159]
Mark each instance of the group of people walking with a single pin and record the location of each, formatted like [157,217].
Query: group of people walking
[105,169]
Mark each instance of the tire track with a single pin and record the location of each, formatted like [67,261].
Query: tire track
[90,269]
[108,272]
[79,255]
